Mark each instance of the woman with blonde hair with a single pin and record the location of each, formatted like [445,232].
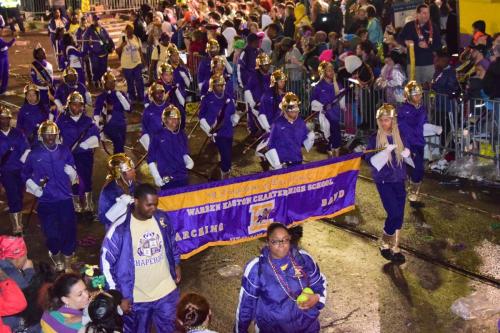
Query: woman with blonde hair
[389,174]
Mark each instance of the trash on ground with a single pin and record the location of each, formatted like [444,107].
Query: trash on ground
[230,271]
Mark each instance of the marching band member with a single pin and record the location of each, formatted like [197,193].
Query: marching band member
[246,68]
[257,84]
[70,84]
[269,109]
[247,60]
[58,24]
[109,113]
[98,45]
[42,75]
[389,174]
[324,94]
[217,119]
[204,68]
[4,63]
[182,76]
[151,118]
[288,133]
[217,66]
[80,135]
[176,94]
[75,59]
[32,113]
[13,152]
[168,157]
[116,194]
[412,115]
[49,173]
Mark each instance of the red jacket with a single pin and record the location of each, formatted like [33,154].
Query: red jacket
[12,301]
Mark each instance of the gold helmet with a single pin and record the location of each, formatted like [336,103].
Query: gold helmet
[165,68]
[323,66]
[262,60]
[154,88]
[217,60]
[290,102]
[47,127]
[30,86]
[212,46]
[171,49]
[119,163]
[69,71]
[170,111]
[75,97]
[216,79]
[108,76]
[387,110]
[5,112]
[412,88]
[277,75]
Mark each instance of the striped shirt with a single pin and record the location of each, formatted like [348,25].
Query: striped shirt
[55,321]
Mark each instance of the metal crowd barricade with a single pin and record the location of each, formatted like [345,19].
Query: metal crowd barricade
[193,62]
[361,103]
[300,84]
[41,6]
[481,122]
[470,127]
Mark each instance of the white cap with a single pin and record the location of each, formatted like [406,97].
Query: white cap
[352,63]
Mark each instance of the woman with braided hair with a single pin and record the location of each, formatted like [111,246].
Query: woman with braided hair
[193,314]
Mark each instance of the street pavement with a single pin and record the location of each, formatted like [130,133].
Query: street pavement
[458,225]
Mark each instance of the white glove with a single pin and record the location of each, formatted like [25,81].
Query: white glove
[249,98]
[97,121]
[71,172]
[119,208]
[126,199]
[156,174]
[235,119]
[144,140]
[264,123]
[186,80]
[179,96]
[273,158]
[316,106]
[123,101]
[309,141]
[59,105]
[33,188]
[405,153]
[24,156]
[390,148]
[431,130]
[188,161]
[91,142]
[205,126]
[324,125]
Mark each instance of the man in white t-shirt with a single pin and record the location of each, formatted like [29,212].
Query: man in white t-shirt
[140,258]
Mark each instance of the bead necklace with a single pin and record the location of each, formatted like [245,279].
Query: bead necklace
[282,282]
[421,35]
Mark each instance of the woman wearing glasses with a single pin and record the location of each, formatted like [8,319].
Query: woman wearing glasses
[282,290]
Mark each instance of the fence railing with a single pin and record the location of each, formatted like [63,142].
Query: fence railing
[41,6]
[469,126]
